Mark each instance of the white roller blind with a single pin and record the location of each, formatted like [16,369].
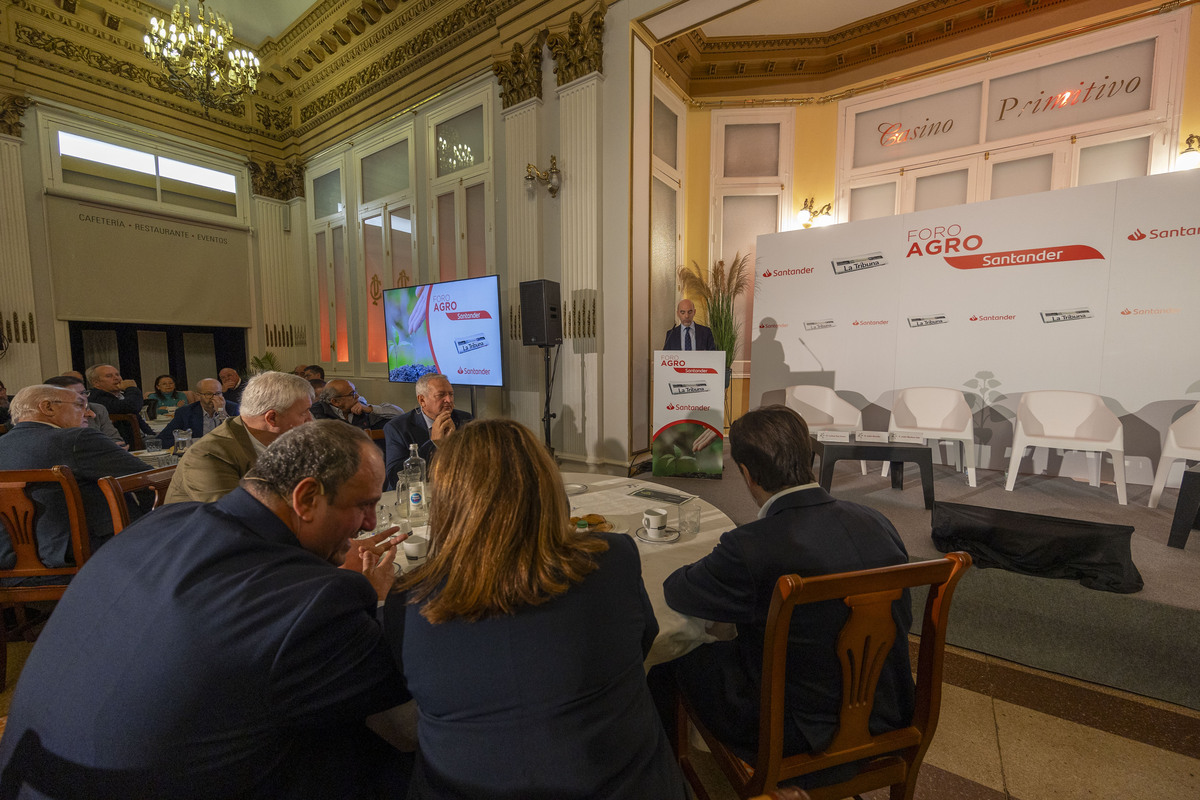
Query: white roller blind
[112,265]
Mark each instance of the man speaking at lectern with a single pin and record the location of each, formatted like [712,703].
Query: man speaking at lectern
[688,335]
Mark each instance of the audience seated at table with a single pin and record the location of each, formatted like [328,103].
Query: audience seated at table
[50,431]
[216,651]
[428,425]
[202,416]
[165,397]
[803,530]
[99,420]
[232,384]
[340,400]
[118,396]
[522,640]
[273,404]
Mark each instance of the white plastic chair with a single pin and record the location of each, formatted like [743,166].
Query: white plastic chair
[1183,441]
[935,412]
[823,410]
[1070,421]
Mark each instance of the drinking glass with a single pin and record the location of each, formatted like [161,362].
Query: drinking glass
[182,440]
[689,516]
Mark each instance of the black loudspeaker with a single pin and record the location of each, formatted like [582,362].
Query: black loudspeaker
[541,322]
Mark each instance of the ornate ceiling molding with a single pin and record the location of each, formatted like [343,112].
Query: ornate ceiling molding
[458,27]
[704,66]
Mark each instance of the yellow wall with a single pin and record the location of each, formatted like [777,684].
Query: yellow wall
[816,154]
[1190,119]
[697,240]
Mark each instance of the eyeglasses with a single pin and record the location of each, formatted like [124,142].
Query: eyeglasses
[77,403]
[211,395]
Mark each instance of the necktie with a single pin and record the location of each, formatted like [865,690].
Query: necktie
[687,338]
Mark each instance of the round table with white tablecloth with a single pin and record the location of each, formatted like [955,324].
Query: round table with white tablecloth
[611,497]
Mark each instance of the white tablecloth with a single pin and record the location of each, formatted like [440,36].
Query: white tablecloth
[677,634]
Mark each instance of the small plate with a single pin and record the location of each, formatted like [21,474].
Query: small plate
[672,535]
[575,488]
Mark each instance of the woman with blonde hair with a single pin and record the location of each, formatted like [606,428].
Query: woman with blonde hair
[522,640]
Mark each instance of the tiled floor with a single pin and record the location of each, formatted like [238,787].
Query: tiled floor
[1007,731]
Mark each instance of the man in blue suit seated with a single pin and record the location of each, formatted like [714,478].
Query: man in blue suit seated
[218,651]
[340,400]
[202,416]
[118,396]
[801,530]
[434,419]
[688,334]
[51,429]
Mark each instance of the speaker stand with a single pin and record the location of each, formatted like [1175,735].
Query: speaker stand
[546,415]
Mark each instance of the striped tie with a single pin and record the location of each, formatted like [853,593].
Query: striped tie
[687,338]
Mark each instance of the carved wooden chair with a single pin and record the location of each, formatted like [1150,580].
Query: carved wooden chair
[866,638]
[114,489]
[135,440]
[18,517]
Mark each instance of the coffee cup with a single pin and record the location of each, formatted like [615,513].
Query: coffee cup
[417,544]
[654,520]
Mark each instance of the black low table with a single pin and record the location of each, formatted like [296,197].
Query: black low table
[894,452]
[1187,508]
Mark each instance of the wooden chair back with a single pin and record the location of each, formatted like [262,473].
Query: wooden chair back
[114,489]
[18,518]
[863,644]
[135,441]
[377,435]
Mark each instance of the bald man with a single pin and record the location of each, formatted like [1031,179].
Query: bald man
[688,334]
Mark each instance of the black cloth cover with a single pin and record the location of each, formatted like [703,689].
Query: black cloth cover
[1034,544]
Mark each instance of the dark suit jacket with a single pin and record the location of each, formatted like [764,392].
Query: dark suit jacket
[190,418]
[806,533]
[213,655]
[129,403]
[367,422]
[406,429]
[704,338]
[90,455]
[547,702]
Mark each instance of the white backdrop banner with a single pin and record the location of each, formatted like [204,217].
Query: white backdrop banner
[1093,289]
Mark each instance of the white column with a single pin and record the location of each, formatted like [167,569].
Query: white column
[579,121]
[282,323]
[22,365]
[526,384]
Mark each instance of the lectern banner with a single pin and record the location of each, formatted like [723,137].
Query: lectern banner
[689,412]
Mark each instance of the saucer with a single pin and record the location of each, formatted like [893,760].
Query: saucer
[575,488]
[672,535]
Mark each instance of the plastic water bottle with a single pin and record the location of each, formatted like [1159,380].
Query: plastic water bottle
[414,481]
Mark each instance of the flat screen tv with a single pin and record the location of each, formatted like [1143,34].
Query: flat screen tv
[451,327]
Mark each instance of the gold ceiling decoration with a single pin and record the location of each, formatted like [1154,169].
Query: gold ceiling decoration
[199,60]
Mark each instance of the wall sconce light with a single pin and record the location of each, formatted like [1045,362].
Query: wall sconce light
[1189,158]
[809,216]
[551,177]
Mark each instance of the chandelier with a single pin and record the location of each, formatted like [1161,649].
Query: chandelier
[195,60]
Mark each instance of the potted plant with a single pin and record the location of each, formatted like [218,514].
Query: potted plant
[267,362]
[716,292]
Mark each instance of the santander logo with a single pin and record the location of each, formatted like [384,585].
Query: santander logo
[767,274]
[1164,233]
[671,407]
